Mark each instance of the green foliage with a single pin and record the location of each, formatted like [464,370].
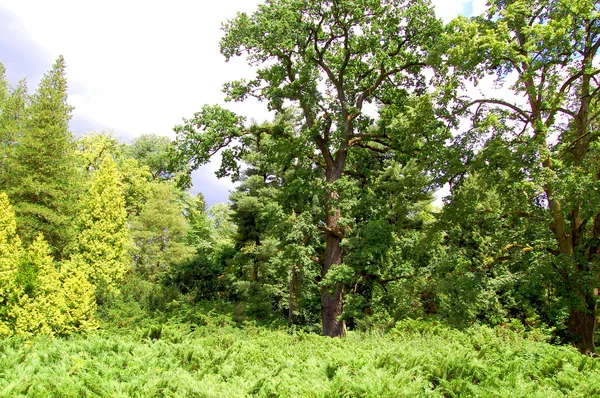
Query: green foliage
[39,296]
[157,153]
[100,251]
[219,360]
[41,177]
[159,231]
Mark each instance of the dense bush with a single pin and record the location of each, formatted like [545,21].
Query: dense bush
[38,295]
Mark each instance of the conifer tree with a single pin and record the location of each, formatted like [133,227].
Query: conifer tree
[36,296]
[40,173]
[13,107]
[101,247]
[37,307]
[48,300]
[10,253]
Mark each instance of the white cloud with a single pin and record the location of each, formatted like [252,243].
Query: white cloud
[448,9]
[479,6]
[144,65]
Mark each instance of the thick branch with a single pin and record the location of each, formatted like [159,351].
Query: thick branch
[515,108]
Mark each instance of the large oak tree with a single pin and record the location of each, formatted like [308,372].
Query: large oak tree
[328,59]
[550,49]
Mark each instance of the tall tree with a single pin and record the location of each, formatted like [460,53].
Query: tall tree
[13,107]
[100,250]
[41,172]
[329,59]
[550,48]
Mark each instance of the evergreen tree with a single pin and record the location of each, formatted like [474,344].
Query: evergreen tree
[48,300]
[200,224]
[36,296]
[41,173]
[100,250]
[13,106]
[10,253]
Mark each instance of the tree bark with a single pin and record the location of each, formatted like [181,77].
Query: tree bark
[583,324]
[332,299]
[291,299]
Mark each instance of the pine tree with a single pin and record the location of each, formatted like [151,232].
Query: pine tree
[41,173]
[101,247]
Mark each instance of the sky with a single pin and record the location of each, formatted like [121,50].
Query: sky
[139,67]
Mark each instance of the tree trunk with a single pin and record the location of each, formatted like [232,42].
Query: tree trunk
[583,323]
[332,303]
[291,302]
[582,320]
[332,300]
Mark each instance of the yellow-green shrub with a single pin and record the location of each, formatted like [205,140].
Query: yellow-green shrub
[36,297]
[10,253]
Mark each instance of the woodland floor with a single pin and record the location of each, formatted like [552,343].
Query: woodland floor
[218,359]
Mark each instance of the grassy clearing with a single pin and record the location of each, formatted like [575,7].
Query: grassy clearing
[221,360]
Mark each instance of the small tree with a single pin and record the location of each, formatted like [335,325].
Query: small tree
[10,254]
[159,232]
[36,296]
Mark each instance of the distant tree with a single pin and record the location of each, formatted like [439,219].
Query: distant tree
[159,231]
[13,112]
[221,222]
[157,153]
[200,226]
[93,148]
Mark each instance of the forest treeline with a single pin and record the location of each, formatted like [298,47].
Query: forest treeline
[332,223]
